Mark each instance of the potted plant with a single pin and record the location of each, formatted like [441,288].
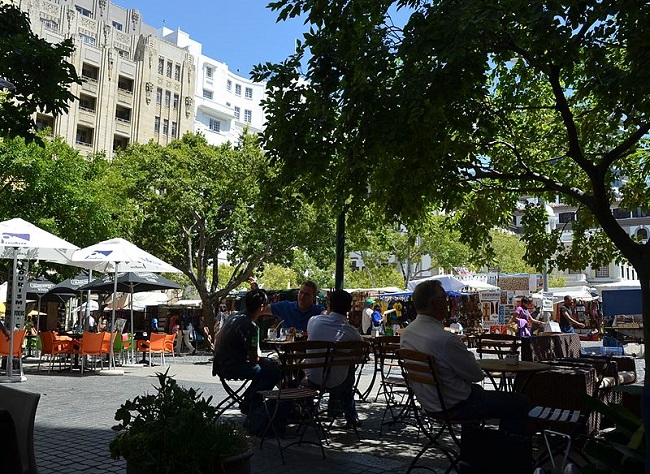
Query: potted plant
[176,430]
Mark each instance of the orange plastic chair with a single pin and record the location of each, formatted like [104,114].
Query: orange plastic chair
[17,351]
[157,346]
[93,343]
[169,344]
[54,346]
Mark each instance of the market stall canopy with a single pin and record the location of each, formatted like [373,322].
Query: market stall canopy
[449,282]
[583,293]
[478,285]
[138,301]
[383,289]
[620,285]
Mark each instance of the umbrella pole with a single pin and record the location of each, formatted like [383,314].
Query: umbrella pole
[131,327]
[111,362]
[87,319]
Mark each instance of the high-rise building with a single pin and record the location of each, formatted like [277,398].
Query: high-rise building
[136,86]
[226,103]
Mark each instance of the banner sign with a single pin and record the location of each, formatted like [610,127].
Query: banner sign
[18,294]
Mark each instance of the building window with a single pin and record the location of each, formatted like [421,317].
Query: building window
[209,72]
[156,124]
[125,84]
[602,272]
[237,113]
[174,129]
[621,213]
[161,65]
[86,39]
[177,72]
[159,96]
[117,26]
[50,24]
[565,217]
[229,85]
[214,125]
[248,116]
[642,234]
[249,93]
[237,89]
[83,11]
[169,69]
[176,100]
[165,127]
[123,54]
[207,94]
[168,98]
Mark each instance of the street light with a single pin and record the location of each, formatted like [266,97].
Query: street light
[550,226]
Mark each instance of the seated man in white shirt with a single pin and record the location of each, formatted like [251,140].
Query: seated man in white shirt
[334,327]
[458,368]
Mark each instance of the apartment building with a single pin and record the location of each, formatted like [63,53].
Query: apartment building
[136,86]
[226,103]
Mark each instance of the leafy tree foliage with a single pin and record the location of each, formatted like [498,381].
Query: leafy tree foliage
[55,188]
[38,70]
[189,202]
[470,106]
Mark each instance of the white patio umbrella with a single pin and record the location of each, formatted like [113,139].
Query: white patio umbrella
[448,282]
[114,256]
[20,239]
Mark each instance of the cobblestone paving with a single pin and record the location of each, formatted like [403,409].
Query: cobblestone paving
[76,413]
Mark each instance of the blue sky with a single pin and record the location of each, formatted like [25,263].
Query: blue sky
[240,33]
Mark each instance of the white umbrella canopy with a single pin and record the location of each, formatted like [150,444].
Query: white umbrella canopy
[118,255]
[23,240]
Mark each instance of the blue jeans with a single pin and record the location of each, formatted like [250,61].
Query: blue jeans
[264,375]
[510,408]
[567,329]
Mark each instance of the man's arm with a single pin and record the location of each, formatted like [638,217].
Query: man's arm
[567,314]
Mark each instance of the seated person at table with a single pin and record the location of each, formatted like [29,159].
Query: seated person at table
[334,327]
[237,353]
[458,368]
[295,314]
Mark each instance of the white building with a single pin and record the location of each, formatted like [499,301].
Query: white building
[225,103]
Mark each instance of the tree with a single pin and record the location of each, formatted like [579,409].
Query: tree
[39,72]
[55,188]
[470,106]
[190,202]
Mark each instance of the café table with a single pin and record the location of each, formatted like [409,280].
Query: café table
[503,366]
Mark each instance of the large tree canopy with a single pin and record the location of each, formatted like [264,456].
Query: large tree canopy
[192,203]
[470,106]
[39,71]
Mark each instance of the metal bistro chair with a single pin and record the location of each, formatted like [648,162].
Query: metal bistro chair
[500,345]
[392,385]
[343,354]
[420,368]
[295,358]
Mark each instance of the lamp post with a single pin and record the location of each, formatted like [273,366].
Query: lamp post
[550,225]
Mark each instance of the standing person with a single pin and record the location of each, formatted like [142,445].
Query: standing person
[237,353]
[183,335]
[566,316]
[334,327]
[366,317]
[377,316]
[525,320]
[458,368]
[295,314]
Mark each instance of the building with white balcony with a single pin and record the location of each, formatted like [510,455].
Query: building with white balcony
[225,103]
[135,86]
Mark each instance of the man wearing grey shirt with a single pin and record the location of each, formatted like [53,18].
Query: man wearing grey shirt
[458,368]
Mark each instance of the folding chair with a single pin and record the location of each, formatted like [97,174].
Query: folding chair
[500,345]
[295,358]
[234,395]
[420,368]
[392,385]
[343,354]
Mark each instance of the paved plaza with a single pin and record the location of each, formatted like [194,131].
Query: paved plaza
[76,412]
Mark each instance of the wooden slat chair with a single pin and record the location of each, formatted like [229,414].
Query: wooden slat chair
[392,385]
[343,354]
[499,345]
[420,368]
[295,358]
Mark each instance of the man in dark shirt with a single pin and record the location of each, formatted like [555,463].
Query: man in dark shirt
[237,355]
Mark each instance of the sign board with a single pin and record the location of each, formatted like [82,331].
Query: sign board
[18,294]
[490,295]
[547,302]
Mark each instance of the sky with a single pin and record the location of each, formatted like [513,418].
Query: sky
[240,33]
